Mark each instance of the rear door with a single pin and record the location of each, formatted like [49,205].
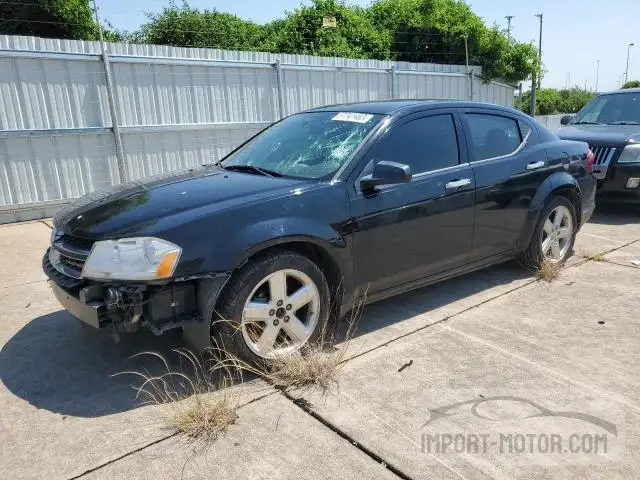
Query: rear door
[509,165]
[408,231]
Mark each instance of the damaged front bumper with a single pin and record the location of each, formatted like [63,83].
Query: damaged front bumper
[127,306]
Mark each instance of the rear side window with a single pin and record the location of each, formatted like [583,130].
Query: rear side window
[425,144]
[493,135]
[525,129]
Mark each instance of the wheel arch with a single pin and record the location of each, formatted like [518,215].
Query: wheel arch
[313,248]
[321,252]
[558,184]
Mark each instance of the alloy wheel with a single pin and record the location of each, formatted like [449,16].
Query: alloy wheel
[281,313]
[557,233]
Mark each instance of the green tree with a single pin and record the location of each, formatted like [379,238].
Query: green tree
[550,101]
[70,19]
[189,27]
[632,84]
[354,35]
[406,30]
[434,31]
[427,30]
[572,100]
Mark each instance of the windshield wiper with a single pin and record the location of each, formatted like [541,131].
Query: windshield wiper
[587,123]
[625,123]
[251,168]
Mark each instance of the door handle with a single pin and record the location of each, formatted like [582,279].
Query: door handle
[535,165]
[458,183]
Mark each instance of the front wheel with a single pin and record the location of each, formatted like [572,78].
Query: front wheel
[554,235]
[274,305]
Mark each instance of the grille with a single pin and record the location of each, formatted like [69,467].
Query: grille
[68,254]
[603,156]
[72,262]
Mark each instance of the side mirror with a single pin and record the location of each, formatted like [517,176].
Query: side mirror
[566,119]
[386,173]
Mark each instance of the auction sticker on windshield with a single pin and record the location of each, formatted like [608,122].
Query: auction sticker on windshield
[352,117]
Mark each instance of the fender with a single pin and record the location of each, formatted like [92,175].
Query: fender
[553,184]
[256,237]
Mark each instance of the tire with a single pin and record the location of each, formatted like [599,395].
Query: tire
[533,256]
[228,330]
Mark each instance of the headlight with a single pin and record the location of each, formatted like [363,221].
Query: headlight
[143,258]
[630,154]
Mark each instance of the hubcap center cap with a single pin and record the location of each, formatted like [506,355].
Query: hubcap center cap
[281,312]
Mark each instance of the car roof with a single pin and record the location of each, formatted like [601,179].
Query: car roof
[395,107]
[624,90]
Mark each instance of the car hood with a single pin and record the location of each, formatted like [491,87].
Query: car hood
[601,135]
[133,205]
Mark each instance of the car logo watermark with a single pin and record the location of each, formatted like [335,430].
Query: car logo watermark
[527,427]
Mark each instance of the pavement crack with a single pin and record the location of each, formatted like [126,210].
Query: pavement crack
[23,284]
[45,223]
[442,320]
[569,380]
[125,455]
[150,444]
[612,262]
[306,407]
[532,281]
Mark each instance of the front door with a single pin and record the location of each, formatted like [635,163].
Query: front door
[406,232]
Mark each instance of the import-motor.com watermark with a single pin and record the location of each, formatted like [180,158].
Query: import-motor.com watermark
[523,426]
[515,443]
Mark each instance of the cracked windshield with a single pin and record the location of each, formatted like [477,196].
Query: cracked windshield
[310,145]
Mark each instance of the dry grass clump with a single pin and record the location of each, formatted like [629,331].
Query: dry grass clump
[596,257]
[548,271]
[312,367]
[319,362]
[203,416]
[198,403]
[197,398]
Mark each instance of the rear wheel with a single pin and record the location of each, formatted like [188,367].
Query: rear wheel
[272,306]
[554,235]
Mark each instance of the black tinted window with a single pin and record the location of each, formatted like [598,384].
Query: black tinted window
[492,135]
[425,144]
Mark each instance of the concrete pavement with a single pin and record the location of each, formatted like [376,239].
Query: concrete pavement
[497,337]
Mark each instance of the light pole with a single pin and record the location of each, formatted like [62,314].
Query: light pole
[597,74]
[539,15]
[509,17]
[626,71]
[532,111]
[469,73]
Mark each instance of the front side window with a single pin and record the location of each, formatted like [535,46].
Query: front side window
[312,145]
[492,135]
[611,109]
[424,144]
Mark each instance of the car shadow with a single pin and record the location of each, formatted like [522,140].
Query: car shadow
[59,365]
[428,299]
[616,215]
[56,364]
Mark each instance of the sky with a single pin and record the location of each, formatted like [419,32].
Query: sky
[576,33]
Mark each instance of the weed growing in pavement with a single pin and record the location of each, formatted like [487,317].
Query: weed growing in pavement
[548,271]
[201,406]
[198,402]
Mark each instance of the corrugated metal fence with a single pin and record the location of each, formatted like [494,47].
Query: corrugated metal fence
[173,108]
[552,122]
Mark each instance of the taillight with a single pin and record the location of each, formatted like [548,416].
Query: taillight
[590,159]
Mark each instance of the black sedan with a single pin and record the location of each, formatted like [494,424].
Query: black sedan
[318,211]
[610,124]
